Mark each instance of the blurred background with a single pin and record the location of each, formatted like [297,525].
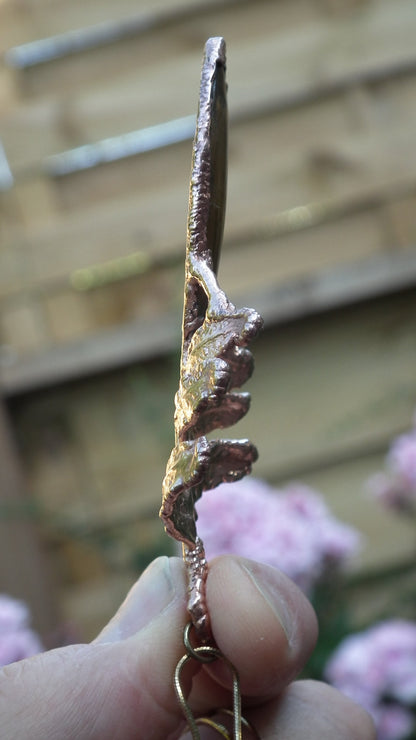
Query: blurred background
[97,113]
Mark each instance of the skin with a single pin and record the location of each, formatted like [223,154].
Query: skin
[119,687]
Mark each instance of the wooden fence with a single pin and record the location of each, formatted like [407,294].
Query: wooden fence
[97,116]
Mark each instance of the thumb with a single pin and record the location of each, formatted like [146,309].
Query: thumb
[119,686]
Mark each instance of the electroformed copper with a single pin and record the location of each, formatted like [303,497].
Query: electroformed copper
[215,334]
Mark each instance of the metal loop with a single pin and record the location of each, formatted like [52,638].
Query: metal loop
[202,653]
[207,721]
[244,722]
[221,729]
[208,654]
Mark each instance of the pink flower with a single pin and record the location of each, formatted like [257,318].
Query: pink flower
[393,722]
[377,668]
[396,488]
[18,645]
[291,529]
[17,640]
[402,459]
[14,614]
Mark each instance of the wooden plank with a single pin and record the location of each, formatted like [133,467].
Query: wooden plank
[91,605]
[293,241]
[294,65]
[335,383]
[22,329]
[6,177]
[118,208]
[24,571]
[81,37]
[401,213]
[108,349]
[342,166]
[337,287]
[145,339]
[162,43]
[88,248]
[124,75]
[37,20]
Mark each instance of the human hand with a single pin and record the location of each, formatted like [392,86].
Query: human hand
[120,687]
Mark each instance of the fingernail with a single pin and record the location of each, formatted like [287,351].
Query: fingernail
[158,587]
[268,582]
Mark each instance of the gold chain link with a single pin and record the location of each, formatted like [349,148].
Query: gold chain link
[208,654]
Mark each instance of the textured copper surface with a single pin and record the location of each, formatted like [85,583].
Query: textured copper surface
[215,359]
